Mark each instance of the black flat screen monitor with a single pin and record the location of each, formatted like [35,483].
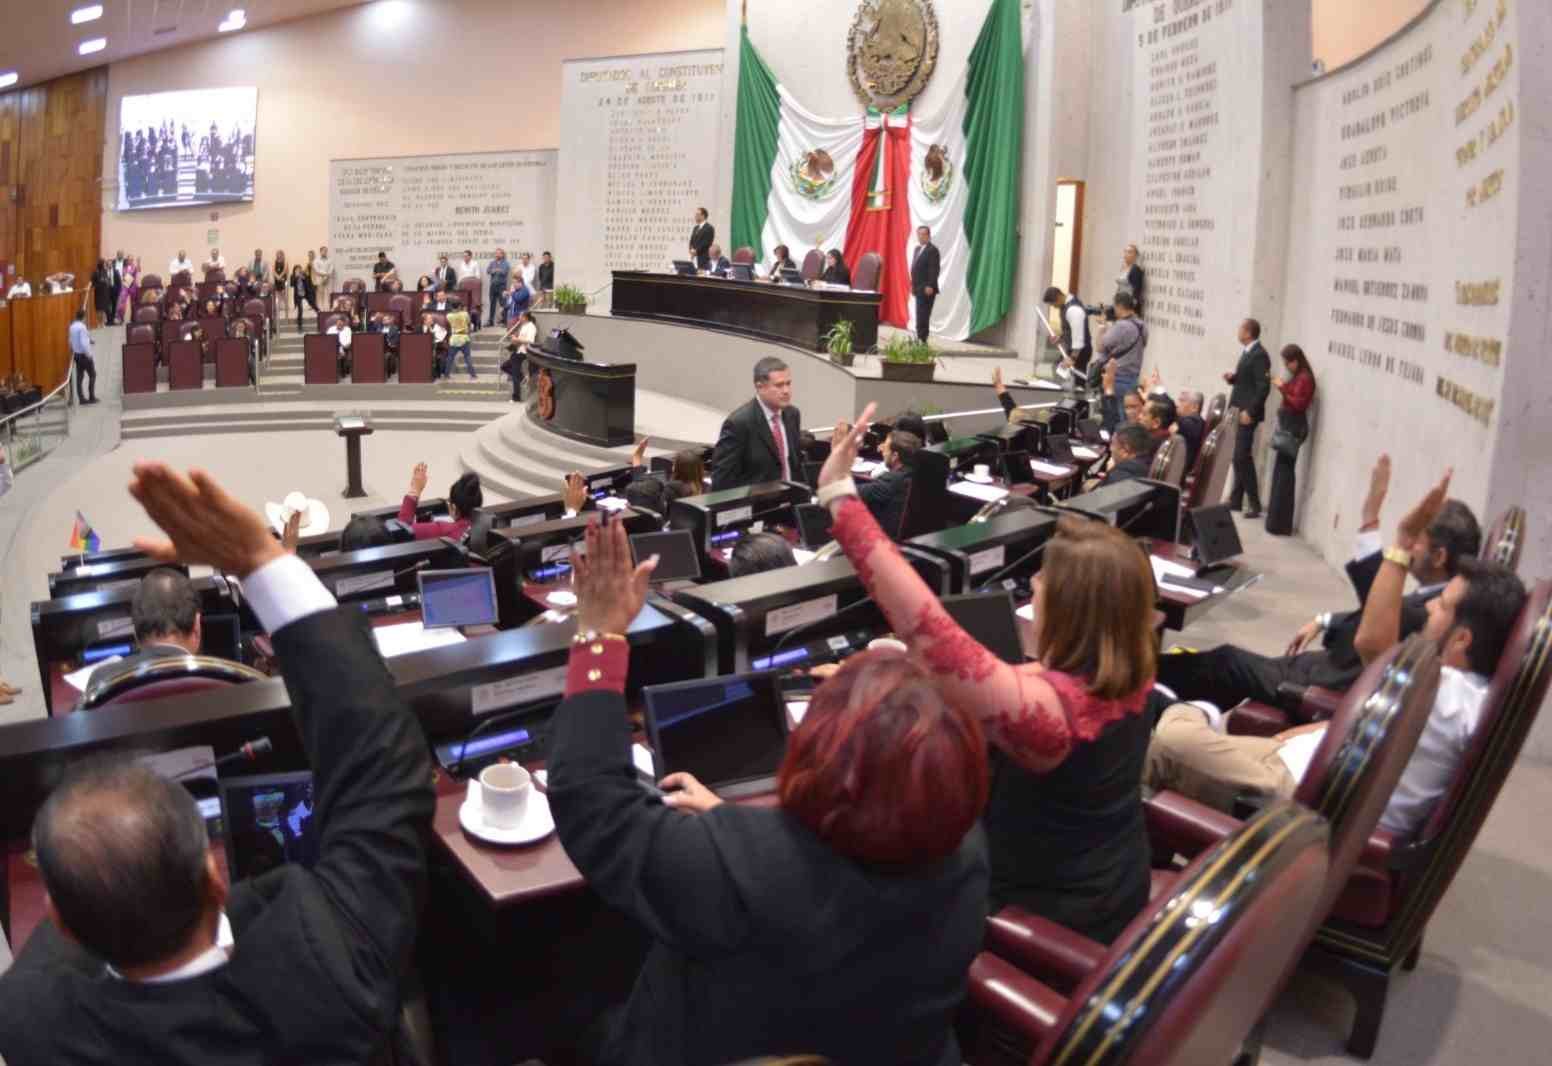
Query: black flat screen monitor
[221,636]
[457,598]
[742,272]
[1214,535]
[792,275]
[730,732]
[989,618]
[677,558]
[267,820]
[684,266]
[1017,469]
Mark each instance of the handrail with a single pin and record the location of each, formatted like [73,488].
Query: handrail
[66,384]
[989,411]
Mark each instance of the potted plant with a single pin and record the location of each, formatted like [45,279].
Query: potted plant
[570,300]
[839,343]
[904,358]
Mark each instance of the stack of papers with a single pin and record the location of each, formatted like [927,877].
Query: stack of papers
[1083,451]
[984,493]
[1163,568]
[1052,469]
[802,555]
[410,637]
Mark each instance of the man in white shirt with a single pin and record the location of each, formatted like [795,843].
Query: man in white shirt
[182,264]
[19,290]
[323,272]
[467,267]
[217,261]
[530,270]
[340,330]
[1471,621]
[81,354]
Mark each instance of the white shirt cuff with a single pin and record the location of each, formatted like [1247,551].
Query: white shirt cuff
[1366,544]
[284,590]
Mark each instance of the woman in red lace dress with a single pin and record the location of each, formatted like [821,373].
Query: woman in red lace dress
[1298,392]
[1068,733]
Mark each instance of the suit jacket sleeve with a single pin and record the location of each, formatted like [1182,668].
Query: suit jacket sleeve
[934,263]
[371,785]
[1262,381]
[661,866]
[727,458]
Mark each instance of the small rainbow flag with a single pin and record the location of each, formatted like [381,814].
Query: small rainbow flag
[82,536]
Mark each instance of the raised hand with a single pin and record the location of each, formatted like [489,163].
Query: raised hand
[639,456]
[1379,488]
[418,480]
[575,493]
[1417,520]
[844,448]
[997,381]
[206,525]
[610,591]
[293,533]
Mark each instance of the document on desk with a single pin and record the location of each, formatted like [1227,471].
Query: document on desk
[803,555]
[1050,469]
[407,637]
[984,493]
[79,678]
[1082,451]
[796,709]
[1164,569]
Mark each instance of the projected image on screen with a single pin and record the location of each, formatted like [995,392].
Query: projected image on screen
[185,148]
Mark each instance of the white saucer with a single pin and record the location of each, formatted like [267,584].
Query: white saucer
[537,822]
[987,480]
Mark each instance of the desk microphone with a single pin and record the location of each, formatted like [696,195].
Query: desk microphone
[249,752]
[411,569]
[1014,565]
[789,634]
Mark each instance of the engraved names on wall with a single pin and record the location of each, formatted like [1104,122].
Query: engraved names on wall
[639,136]
[419,207]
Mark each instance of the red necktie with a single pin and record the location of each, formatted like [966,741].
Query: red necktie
[781,444]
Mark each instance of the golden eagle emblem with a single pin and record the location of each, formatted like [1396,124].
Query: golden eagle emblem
[891,51]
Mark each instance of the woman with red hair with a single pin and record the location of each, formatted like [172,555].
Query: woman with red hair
[1064,821]
[840,922]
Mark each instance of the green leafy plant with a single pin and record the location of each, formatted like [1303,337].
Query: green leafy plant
[570,298]
[903,348]
[839,341]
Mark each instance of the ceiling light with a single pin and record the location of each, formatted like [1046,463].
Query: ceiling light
[96,44]
[85,14]
[8,78]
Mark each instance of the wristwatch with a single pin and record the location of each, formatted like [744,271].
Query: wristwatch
[1400,556]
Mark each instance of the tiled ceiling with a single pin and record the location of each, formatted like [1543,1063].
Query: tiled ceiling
[38,41]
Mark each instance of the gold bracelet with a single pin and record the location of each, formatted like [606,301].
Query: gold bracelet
[1400,556]
[592,636]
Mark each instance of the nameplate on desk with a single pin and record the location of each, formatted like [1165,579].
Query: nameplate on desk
[115,627]
[527,520]
[801,614]
[377,579]
[990,559]
[555,553]
[514,691]
[737,514]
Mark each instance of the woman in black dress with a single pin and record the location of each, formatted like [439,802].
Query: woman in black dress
[835,271]
[102,291]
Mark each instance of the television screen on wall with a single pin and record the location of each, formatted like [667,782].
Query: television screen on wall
[186,148]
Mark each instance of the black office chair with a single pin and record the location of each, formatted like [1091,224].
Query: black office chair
[477,539]
[159,678]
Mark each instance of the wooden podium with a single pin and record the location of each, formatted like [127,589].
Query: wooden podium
[232,362]
[140,367]
[415,358]
[320,359]
[185,365]
[369,358]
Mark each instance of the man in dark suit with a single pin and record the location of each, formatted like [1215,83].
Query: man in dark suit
[1190,426]
[701,238]
[167,622]
[1130,449]
[717,264]
[886,494]
[925,263]
[1227,674]
[446,277]
[760,441]
[146,953]
[1252,381]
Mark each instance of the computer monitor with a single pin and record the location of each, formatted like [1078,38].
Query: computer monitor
[684,266]
[267,821]
[989,618]
[677,558]
[742,272]
[730,732]
[458,598]
[813,525]
[1059,447]
[1213,535]
[792,275]
[1016,467]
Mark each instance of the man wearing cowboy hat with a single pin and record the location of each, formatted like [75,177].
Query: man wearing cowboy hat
[311,517]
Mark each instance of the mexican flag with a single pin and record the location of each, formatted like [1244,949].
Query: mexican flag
[865,182]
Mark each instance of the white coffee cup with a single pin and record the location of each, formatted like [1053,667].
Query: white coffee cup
[888,644]
[982,471]
[504,791]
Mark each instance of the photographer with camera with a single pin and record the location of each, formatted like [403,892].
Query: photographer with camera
[1123,342]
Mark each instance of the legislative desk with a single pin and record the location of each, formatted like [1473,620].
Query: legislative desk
[590,402]
[789,314]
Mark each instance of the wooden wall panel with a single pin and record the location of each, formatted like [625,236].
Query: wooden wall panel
[7,361]
[40,337]
[51,146]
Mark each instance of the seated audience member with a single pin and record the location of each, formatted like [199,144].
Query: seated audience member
[886,494]
[1470,621]
[146,952]
[717,264]
[210,309]
[1158,418]
[341,331]
[835,272]
[1228,674]
[63,281]
[845,918]
[759,552]
[688,473]
[911,422]
[238,329]
[1130,449]
[167,620]
[781,259]
[458,342]
[425,284]
[650,492]
[364,531]
[20,289]
[1068,733]
[1190,426]
[438,332]
[463,499]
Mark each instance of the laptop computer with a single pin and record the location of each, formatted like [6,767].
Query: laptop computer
[457,597]
[730,732]
[1016,467]
[1213,535]
[792,275]
[683,266]
[742,272]
[989,618]
[677,558]
[267,821]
